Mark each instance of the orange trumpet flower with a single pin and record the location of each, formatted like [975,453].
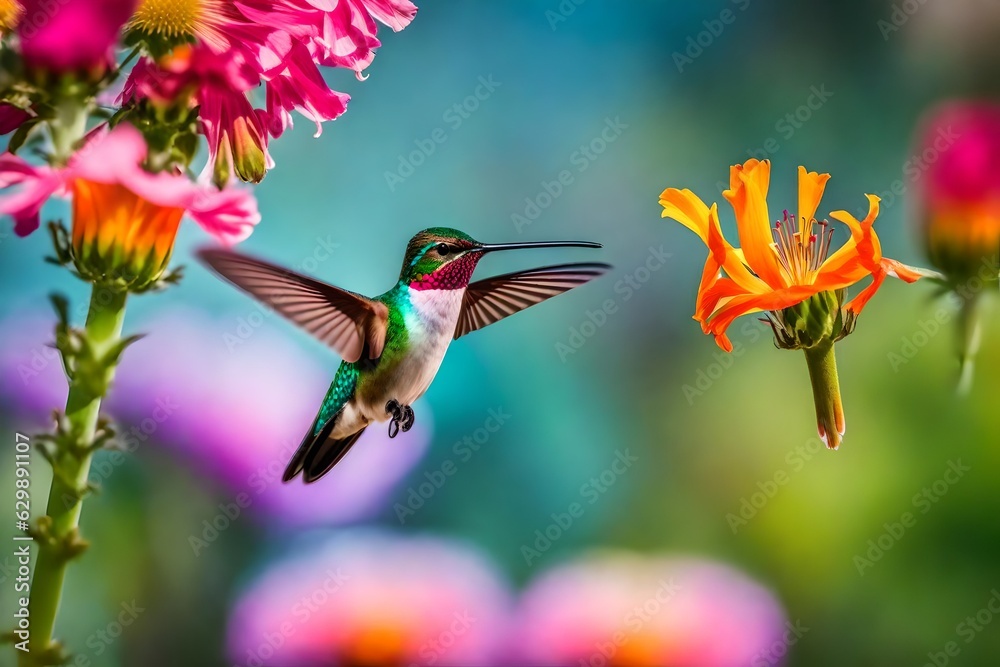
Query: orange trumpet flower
[787,272]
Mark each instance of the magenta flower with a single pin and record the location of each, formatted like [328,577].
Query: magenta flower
[626,609]
[960,200]
[110,167]
[277,44]
[71,36]
[338,33]
[218,85]
[243,398]
[296,84]
[372,598]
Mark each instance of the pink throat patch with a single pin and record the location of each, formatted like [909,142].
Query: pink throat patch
[453,275]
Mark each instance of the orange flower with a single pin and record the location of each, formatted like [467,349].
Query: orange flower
[787,272]
[781,266]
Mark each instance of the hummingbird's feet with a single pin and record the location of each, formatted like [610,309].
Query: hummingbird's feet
[402,417]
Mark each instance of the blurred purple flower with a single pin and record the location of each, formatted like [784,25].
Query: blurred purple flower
[238,407]
[616,608]
[238,414]
[372,598]
[32,382]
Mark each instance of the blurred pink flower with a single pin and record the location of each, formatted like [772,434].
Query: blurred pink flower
[960,199]
[372,598]
[240,399]
[71,36]
[616,608]
[115,158]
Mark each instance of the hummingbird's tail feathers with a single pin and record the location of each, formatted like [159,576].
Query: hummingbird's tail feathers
[318,453]
[298,461]
[347,322]
[490,300]
[324,454]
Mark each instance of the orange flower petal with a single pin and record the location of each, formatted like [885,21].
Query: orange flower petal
[907,274]
[857,304]
[747,195]
[864,243]
[811,187]
[755,303]
[688,209]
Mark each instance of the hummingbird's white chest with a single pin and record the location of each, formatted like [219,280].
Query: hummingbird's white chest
[430,324]
[430,320]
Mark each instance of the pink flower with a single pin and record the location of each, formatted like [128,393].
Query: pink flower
[71,36]
[960,198]
[218,86]
[296,84]
[338,33]
[115,158]
[626,609]
[277,43]
[373,598]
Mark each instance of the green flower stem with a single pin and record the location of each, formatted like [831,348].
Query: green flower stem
[67,128]
[826,392]
[969,335]
[71,469]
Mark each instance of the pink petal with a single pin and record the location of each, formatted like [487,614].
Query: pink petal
[37,185]
[229,215]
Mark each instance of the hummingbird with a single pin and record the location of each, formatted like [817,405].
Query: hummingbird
[392,345]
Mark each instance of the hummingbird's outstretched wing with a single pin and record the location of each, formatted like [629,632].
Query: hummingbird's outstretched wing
[345,321]
[490,300]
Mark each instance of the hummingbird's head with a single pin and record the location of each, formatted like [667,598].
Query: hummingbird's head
[444,258]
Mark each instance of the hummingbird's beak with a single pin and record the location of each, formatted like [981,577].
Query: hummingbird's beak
[493,247]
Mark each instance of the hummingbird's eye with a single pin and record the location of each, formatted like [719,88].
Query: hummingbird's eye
[443,249]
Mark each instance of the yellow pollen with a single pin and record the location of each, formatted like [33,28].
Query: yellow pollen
[10,14]
[170,18]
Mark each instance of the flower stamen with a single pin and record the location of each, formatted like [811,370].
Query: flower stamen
[801,252]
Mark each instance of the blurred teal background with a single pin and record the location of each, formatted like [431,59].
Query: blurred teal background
[554,85]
